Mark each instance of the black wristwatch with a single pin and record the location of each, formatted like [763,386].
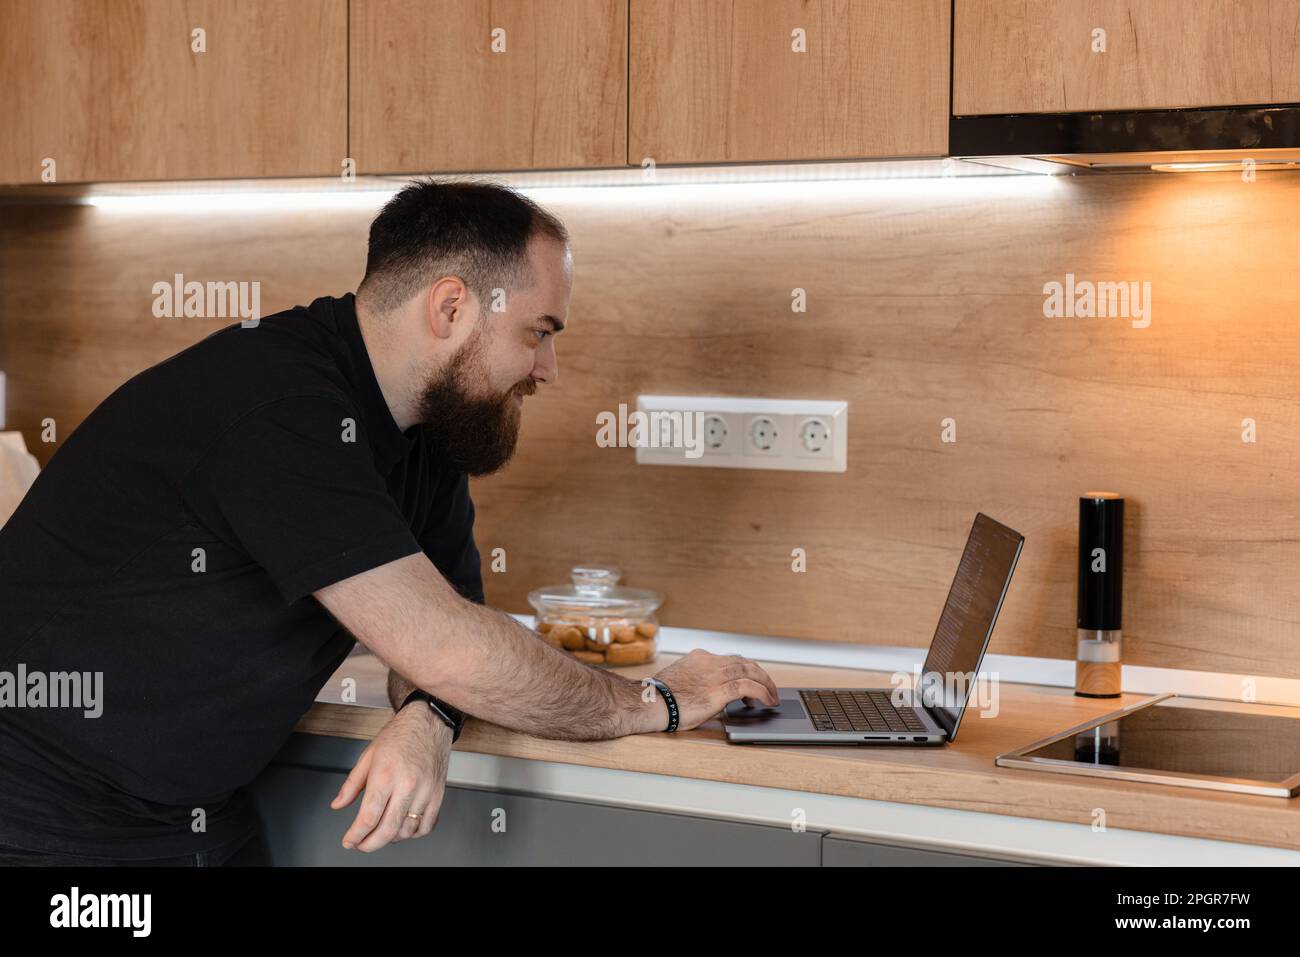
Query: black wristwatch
[449,715]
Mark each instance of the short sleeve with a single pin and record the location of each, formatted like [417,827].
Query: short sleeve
[448,537]
[294,484]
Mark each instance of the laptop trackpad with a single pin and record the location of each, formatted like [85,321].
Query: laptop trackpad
[737,713]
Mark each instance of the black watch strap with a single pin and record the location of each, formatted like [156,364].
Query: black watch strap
[669,700]
[449,716]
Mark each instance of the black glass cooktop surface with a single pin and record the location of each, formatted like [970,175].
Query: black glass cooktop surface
[1182,741]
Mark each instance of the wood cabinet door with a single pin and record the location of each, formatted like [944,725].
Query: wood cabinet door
[113,89]
[1044,56]
[748,80]
[447,85]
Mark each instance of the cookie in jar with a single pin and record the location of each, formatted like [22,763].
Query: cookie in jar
[598,621]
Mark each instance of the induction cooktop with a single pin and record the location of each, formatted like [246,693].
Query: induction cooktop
[1181,741]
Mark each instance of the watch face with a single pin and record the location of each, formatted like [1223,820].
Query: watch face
[448,715]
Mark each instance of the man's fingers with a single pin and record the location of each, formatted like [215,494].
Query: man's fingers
[369,817]
[739,688]
[756,673]
[390,825]
[410,826]
[355,781]
[427,822]
[738,667]
[432,807]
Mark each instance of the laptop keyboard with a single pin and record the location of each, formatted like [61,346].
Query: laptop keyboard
[835,710]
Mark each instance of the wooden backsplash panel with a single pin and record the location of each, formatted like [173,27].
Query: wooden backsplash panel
[922,304]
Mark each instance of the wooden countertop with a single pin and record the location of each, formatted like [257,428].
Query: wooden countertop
[961,775]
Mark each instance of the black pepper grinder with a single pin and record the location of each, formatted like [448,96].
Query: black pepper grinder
[1099,659]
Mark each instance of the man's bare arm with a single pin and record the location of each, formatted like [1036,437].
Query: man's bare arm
[399,689]
[480,660]
[485,663]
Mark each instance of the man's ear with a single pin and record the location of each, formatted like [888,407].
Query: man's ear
[447,302]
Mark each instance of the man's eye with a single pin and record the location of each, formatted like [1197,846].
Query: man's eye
[542,334]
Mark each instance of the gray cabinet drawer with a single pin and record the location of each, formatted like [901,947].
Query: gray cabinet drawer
[840,850]
[301,829]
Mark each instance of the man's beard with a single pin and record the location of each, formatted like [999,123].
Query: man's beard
[475,435]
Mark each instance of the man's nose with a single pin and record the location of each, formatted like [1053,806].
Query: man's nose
[547,368]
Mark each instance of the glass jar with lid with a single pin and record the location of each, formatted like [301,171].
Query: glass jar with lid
[598,621]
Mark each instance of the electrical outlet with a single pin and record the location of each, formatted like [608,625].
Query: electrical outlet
[814,438]
[720,432]
[763,436]
[668,432]
[717,435]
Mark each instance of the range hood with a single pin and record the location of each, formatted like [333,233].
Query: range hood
[1265,137]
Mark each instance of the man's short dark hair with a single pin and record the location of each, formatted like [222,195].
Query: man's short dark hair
[474,230]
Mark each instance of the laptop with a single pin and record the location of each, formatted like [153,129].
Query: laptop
[930,714]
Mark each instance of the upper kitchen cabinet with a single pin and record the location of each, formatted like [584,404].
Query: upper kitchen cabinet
[172,89]
[448,85]
[753,80]
[1045,56]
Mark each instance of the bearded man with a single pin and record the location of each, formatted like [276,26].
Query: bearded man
[209,544]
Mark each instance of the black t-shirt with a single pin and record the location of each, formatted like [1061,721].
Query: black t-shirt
[271,450]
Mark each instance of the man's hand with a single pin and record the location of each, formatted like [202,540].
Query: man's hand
[403,771]
[704,684]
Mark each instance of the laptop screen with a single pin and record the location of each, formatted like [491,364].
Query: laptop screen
[948,676]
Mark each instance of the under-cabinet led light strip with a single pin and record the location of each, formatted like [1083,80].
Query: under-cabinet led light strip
[626,192]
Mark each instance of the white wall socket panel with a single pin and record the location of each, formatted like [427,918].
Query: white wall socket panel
[798,435]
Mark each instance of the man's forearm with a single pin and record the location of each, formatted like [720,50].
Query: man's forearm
[483,662]
[507,676]
[399,689]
